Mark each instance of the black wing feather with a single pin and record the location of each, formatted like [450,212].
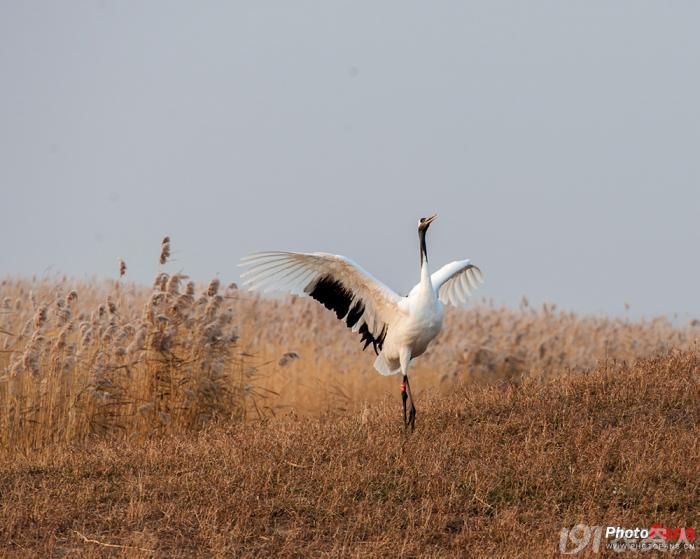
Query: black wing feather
[333,295]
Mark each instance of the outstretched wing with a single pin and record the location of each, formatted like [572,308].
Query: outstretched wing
[367,305]
[456,281]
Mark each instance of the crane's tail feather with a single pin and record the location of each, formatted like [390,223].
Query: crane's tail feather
[381,364]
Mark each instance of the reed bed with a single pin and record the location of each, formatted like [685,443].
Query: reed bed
[482,344]
[111,357]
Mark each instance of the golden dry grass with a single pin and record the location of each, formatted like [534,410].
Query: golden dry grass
[180,420]
[491,471]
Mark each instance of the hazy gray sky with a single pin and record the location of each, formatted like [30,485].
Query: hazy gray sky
[559,142]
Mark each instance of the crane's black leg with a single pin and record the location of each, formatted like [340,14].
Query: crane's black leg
[404,397]
[412,410]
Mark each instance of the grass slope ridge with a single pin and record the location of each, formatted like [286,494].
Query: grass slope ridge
[491,471]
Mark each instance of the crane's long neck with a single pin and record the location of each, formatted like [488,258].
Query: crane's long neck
[424,273]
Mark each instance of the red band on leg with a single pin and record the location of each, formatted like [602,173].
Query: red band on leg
[403,387]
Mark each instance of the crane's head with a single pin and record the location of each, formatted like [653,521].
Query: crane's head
[424,222]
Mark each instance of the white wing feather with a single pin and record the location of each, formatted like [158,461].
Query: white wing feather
[348,287]
[456,281]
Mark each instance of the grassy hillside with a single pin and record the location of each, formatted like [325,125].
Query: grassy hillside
[491,471]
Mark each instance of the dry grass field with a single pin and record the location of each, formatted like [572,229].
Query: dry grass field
[185,420]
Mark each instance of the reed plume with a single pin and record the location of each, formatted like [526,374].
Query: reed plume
[164,250]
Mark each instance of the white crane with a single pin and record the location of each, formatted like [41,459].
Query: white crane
[399,328]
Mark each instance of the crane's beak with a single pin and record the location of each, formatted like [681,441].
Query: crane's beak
[430,219]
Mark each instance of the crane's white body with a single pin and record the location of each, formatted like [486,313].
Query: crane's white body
[400,328]
[421,322]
